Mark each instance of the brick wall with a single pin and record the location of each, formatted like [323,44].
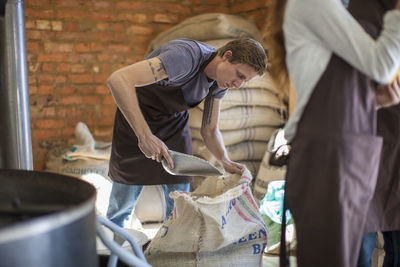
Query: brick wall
[73,46]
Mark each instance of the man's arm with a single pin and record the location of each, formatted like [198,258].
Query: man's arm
[212,136]
[122,84]
[388,95]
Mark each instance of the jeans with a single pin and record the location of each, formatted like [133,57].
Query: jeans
[391,247]
[123,199]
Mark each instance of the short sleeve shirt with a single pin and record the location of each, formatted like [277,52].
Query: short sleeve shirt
[184,61]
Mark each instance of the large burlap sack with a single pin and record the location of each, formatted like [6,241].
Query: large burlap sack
[241,117]
[216,225]
[266,174]
[249,97]
[231,137]
[247,150]
[208,26]
[218,43]
[262,82]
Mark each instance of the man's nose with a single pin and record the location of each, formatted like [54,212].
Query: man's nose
[238,83]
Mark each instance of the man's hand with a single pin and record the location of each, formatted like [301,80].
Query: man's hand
[232,167]
[155,149]
[388,95]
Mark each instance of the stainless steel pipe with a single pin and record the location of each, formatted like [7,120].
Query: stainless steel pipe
[15,133]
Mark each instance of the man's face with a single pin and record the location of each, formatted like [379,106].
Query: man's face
[233,75]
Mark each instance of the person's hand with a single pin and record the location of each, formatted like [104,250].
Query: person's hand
[155,149]
[388,95]
[232,167]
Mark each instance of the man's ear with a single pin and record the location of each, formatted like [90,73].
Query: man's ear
[227,55]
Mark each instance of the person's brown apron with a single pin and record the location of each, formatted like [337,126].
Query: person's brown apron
[333,168]
[165,111]
[384,210]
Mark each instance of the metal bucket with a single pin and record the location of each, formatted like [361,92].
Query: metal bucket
[46,220]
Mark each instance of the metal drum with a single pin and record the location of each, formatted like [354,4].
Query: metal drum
[46,220]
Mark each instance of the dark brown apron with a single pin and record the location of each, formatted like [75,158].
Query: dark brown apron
[333,167]
[165,111]
[384,210]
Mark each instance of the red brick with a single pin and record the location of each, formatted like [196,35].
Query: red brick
[71,26]
[103,26]
[70,100]
[131,5]
[47,67]
[38,166]
[117,27]
[68,90]
[96,47]
[108,100]
[52,57]
[70,3]
[58,47]
[102,90]
[45,90]
[32,89]
[42,3]
[82,48]
[32,46]
[92,99]
[101,16]
[108,111]
[106,121]
[63,67]
[49,123]
[87,90]
[102,5]
[41,35]
[166,18]
[49,112]
[101,78]
[69,111]
[134,18]
[43,134]
[71,14]
[136,29]
[39,13]
[81,78]
[78,68]
[43,25]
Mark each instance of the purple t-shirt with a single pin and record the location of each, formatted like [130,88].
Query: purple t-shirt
[182,60]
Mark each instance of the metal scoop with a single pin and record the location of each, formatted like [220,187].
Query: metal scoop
[189,165]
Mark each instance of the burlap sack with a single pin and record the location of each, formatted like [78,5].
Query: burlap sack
[216,225]
[266,174]
[231,137]
[247,150]
[218,43]
[262,82]
[208,26]
[241,117]
[249,97]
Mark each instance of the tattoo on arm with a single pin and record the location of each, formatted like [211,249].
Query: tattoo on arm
[208,107]
[158,72]
[153,71]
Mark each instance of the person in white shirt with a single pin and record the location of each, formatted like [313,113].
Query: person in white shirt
[318,49]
